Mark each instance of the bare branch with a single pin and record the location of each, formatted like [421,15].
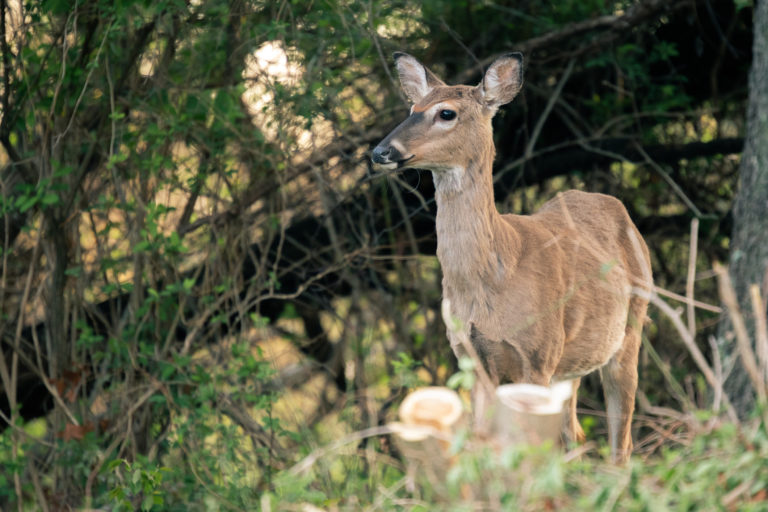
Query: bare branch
[748,358]
[689,282]
[690,344]
[635,15]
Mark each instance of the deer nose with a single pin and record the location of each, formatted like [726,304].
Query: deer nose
[381,154]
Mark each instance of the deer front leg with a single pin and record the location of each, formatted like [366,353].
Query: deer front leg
[483,394]
[619,378]
[483,401]
[572,427]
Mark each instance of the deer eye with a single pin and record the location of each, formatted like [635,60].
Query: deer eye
[447,115]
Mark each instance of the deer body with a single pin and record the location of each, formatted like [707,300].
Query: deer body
[541,297]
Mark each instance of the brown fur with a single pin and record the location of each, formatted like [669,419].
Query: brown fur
[542,297]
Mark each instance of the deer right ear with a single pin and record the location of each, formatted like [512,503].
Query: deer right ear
[502,81]
[415,78]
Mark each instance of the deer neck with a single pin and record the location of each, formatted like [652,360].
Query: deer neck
[475,246]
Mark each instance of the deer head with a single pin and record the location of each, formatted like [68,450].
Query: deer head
[449,127]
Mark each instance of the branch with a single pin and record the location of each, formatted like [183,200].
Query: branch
[748,358]
[257,189]
[6,61]
[690,344]
[570,156]
[634,16]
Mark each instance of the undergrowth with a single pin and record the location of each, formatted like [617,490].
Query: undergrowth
[723,468]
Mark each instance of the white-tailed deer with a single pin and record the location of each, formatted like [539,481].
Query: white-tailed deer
[541,297]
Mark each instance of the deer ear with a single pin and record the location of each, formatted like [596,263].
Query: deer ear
[502,81]
[415,78]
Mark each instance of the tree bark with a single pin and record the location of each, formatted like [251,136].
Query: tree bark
[749,242]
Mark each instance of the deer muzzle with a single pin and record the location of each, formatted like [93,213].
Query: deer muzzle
[385,154]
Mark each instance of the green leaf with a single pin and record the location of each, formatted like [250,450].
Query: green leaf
[113,464]
[73,271]
[466,364]
[25,203]
[167,371]
[50,198]
[136,476]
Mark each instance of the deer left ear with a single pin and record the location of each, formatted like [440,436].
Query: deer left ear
[415,78]
[502,81]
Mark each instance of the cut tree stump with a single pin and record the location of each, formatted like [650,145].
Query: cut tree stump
[529,414]
[429,419]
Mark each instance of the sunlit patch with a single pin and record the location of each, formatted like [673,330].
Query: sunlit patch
[273,66]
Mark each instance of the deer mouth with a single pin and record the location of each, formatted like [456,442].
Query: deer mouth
[401,163]
[392,165]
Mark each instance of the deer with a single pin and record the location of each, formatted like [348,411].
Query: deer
[542,298]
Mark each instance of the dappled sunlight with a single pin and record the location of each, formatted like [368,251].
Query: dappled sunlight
[273,74]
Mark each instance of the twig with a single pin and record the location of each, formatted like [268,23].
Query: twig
[580,450]
[97,468]
[242,417]
[696,303]
[39,493]
[761,331]
[667,412]
[689,282]
[675,187]
[718,397]
[59,136]
[690,344]
[616,23]
[545,114]
[457,39]
[728,295]
[728,500]
[374,35]
[675,387]
[354,437]
[667,433]
[6,63]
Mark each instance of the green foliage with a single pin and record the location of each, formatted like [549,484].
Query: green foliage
[404,368]
[138,482]
[703,476]
[465,377]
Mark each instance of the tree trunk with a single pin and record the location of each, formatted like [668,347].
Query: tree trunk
[749,242]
